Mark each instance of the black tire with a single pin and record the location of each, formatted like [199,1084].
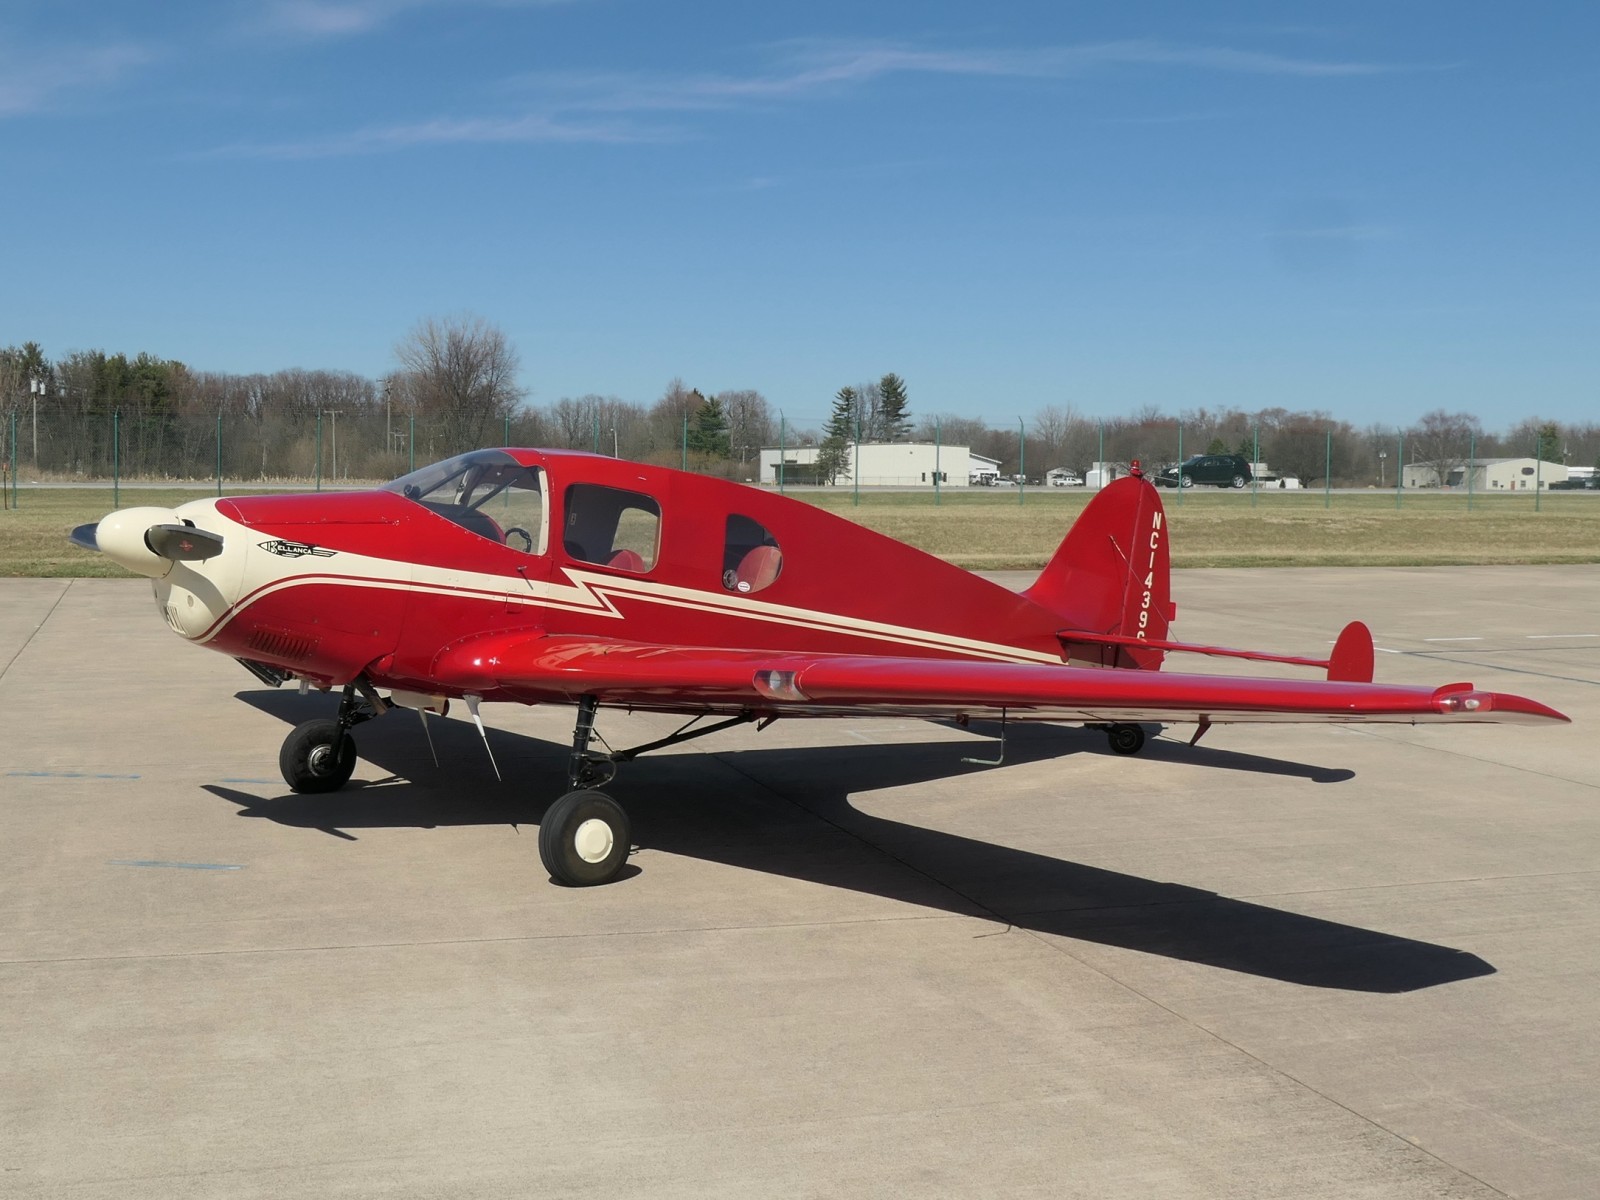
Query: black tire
[1125,739]
[1185,481]
[584,839]
[307,759]
[1239,481]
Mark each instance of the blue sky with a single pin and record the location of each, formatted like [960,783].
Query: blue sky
[1372,208]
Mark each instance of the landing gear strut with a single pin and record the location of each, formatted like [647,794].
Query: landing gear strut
[585,836]
[320,755]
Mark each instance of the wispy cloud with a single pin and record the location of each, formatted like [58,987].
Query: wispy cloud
[617,107]
[527,128]
[813,67]
[38,81]
[347,18]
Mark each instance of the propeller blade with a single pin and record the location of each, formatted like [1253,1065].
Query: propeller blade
[183,543]
[83,536]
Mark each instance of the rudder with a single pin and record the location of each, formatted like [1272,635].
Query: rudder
[1111,575]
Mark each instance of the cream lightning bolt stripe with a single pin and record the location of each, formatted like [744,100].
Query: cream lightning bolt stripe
[589,592]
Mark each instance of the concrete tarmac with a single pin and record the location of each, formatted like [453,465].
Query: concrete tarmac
[1288,962]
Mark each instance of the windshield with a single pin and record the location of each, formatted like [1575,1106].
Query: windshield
[486,492]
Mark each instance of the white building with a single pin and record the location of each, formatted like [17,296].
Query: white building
[1490,475]
[883,464]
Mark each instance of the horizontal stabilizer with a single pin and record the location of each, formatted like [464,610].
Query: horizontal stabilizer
[1352,657]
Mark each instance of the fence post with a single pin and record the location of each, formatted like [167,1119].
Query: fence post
[219,452]
[1255,461]
[685,463]
[936,462]
[319,450]
[1472,455]
[1102,459]
[782,432]
[1538,472]
[507,442]
[1399,466]
[1327,474]
[116,458]
[1022,461]
[14,496]
[855,474]
[1180,462]
[412,465]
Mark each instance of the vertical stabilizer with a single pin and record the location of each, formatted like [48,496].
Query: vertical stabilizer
[1111,575]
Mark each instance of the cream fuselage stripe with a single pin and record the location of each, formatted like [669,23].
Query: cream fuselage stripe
[589,592]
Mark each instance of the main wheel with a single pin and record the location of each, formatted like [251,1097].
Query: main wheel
[1125,739]
[307,759]
[584,839]
[1239,481]
[1185,481]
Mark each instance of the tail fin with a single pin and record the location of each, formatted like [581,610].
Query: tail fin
[1111,576]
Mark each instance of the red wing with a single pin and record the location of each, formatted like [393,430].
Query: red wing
[702,679]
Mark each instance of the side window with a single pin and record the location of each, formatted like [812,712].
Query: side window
[611,527]
[751,560]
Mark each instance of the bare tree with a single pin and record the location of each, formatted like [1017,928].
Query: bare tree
[460,373]
[1050,427]
[749,423]
[1442,441]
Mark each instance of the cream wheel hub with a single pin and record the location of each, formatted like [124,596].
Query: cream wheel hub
[593,840]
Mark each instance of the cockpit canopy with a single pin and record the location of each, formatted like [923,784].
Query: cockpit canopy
[486,492]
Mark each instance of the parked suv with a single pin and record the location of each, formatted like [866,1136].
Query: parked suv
[1222,470]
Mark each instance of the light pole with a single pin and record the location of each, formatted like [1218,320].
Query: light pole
[333,440]
[36,389]
[1382,454]
[615,453]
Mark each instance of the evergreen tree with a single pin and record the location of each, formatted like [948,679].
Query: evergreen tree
[1549,444]
[833,455]
[708,430]
[894,421]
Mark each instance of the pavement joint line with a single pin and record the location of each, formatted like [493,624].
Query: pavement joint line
[1335,891]
[1375,731]
[1435,656]
[1057,945]
[28,641]
[1273,1068]
[489,941]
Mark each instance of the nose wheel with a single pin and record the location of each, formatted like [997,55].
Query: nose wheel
[317,756]
[320,755]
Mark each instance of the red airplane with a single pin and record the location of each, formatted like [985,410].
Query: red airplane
[553,577]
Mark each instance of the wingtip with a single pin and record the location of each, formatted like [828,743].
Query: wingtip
[1462,699]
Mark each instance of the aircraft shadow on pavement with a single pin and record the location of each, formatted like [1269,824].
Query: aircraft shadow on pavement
[787,812]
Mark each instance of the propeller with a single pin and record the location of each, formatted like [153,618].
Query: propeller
[183,543]
[148,541]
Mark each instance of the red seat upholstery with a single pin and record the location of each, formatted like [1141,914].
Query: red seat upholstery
[758,569]
[627,560]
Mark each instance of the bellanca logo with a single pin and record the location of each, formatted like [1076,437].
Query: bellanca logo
[295,550]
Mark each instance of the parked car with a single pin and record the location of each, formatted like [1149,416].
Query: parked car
[1220,470]
[1065,479]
